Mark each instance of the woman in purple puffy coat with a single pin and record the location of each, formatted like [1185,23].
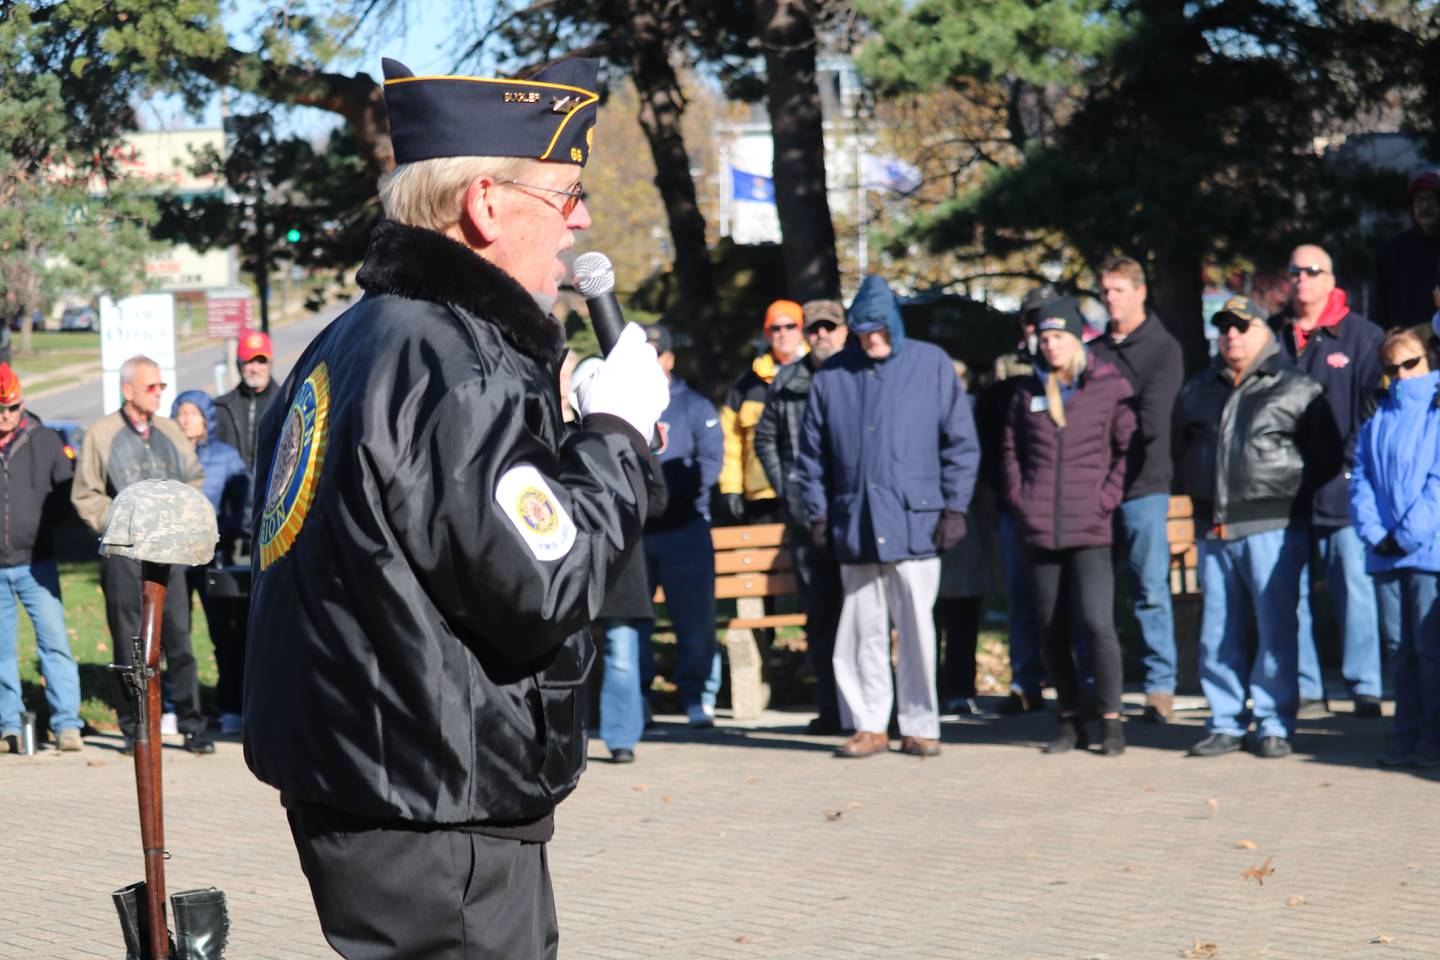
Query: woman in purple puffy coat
[1064,448]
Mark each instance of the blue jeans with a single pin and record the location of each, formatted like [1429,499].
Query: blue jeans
[1388,604]
[1259,572]
[1417,665]
[622,708]
[37,586]
[682,563]
[1343,555]
[1146,547]
[1027,670]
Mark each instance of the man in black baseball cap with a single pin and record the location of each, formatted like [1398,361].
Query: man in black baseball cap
[431,543]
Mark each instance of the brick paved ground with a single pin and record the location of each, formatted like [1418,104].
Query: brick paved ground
[753,842]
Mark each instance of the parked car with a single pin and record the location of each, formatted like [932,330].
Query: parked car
[80,318]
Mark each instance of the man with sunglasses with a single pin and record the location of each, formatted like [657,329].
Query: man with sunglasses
[1341,349]
[777,444]
[744,488]
[432,542]
[1253,439]
[34,482]
[130,445]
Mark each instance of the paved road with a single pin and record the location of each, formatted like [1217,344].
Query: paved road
[752,842]
[194,371]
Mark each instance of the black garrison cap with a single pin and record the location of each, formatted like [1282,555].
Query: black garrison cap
[550,116]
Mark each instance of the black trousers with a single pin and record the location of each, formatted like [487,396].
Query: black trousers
[226,618]
[821,595]
[383,892]
[1078,585]
[120,582]
[958,620]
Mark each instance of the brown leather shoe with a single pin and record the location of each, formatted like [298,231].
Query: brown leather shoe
[1159,707]
[920,747]
[864,744]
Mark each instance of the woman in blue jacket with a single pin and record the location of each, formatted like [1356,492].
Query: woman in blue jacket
[227,485]
[1395,505]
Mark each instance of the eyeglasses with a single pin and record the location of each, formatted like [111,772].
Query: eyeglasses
[573,197]
[11,407]
[155,387]
[782,326]
[1310,271]
[1393,369]
[828,326]
[1225,321]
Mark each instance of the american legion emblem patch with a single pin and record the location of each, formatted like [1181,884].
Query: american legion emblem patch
[295,471]
[536,513]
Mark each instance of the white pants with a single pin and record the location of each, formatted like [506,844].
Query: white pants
[876,593]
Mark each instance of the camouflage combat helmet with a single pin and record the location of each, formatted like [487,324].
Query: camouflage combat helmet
[162,521]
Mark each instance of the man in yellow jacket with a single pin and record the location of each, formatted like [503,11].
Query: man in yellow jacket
[746,491]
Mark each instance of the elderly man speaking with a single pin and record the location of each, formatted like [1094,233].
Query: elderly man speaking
[431,543]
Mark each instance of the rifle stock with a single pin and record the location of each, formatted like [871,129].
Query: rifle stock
[146,679]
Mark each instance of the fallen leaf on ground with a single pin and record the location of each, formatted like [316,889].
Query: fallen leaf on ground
[1412,866]
[101,763]
[752,779]
[834,814]
[1203,950]
[1213,803]
[641,787]
[1295,902]
[1246,844]
[742,939]
[101,647]
[1128,868]
[1326,783]
[667,799]
[852,805]
[1258,874]
[1383,938]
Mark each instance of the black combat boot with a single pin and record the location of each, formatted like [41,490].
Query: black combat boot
[201,924]
[1070,736]
[1112,737]
[128,903]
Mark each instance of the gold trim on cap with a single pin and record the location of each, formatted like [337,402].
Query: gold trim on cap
[532,83]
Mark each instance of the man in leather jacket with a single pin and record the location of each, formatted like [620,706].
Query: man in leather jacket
[431,543]
[1253,439]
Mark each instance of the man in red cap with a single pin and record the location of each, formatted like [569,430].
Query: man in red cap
[238,413]
[36,467]
[748,496]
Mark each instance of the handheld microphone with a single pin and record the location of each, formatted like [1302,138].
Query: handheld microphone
[594,277]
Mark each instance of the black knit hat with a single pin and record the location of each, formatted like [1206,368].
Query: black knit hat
[1062,313]
[550,116]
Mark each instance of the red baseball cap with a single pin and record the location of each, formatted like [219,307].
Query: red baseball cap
[254,344]
[9,385]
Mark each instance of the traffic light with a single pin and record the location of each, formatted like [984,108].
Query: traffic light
[292,235]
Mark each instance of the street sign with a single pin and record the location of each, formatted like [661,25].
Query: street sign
[140,325]
[227,317]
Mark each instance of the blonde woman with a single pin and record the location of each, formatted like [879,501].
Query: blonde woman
[1063,450]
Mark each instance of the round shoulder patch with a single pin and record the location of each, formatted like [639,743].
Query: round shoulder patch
[536,513]
[295,470]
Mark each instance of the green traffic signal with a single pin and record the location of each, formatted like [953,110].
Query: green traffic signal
[292,235]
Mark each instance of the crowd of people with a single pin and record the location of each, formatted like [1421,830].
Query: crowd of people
[1308,441]
[206,442]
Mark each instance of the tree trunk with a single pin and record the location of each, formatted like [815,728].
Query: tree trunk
[787,34]
[1177,284]
[661,107]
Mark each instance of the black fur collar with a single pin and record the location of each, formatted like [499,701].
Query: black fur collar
[420,264]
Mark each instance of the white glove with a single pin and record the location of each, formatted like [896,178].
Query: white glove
[629,384]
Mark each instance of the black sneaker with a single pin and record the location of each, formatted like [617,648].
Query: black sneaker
[1272,748]
[1216,744]
[1019,702]
[199,742]
[622,755]
[1367,708]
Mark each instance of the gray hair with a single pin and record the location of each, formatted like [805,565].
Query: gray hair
[128,368]
[430,193]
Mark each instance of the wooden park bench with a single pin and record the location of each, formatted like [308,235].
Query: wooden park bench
[751,563]
[1184,554]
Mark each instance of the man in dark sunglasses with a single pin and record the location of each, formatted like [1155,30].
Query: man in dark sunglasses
[1341,349]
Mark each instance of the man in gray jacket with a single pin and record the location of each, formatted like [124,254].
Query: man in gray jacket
[777,444]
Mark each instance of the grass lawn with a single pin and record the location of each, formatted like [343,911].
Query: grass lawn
[90,642]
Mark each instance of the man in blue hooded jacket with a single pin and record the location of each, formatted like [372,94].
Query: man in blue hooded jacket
[888,460]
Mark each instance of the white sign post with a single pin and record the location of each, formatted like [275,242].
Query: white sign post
[140,325]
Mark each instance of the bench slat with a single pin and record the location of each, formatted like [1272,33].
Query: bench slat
[754,585]
[777,620]
[755,535]
[1180,530]
[766,560]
